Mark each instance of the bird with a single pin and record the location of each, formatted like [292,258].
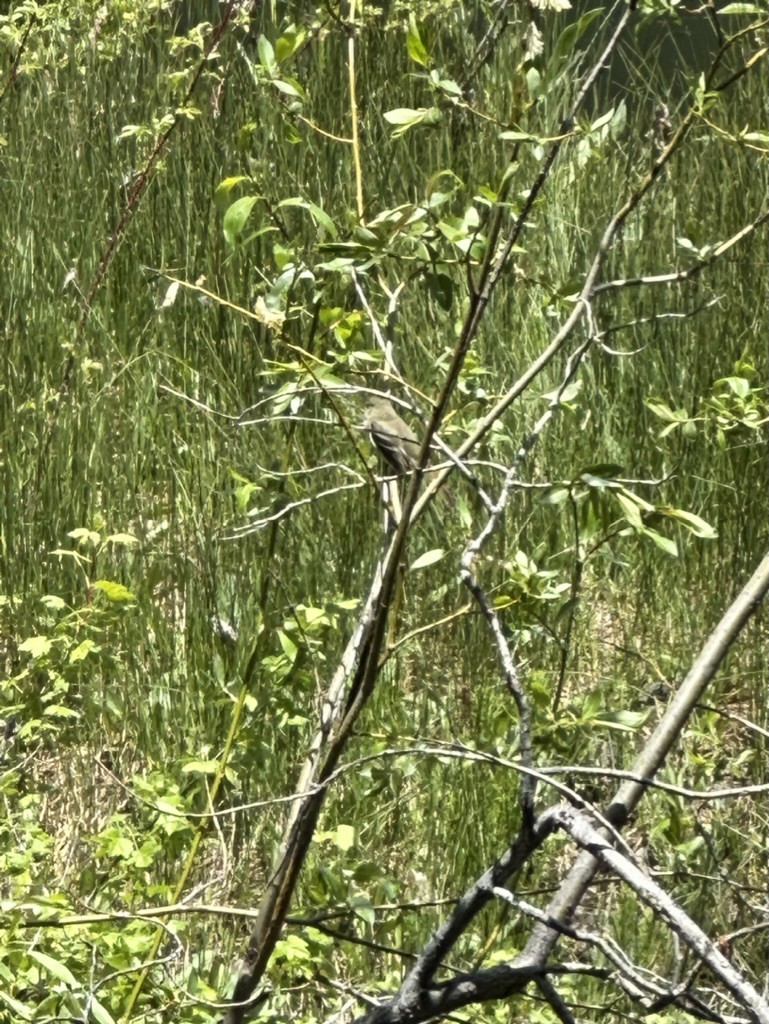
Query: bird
[394,439]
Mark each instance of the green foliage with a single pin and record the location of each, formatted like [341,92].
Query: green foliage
[186,505]
[733,411]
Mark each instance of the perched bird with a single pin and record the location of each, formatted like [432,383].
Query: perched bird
[395,440]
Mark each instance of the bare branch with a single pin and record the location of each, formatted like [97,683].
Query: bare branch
[656,749]
[661,903]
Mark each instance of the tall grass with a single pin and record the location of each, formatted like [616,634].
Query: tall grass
[118,451]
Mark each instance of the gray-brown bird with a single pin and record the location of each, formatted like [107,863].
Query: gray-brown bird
[395,440]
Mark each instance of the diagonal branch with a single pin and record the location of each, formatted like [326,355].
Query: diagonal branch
[651,758]
[591,840]
[421,1002]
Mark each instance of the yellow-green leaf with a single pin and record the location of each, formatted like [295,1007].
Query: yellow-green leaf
[416,48]
[114,591]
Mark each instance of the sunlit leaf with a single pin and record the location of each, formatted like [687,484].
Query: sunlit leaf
[289,647]
[512,136]
[663,543]
[122,540]
[289,43]
[236,217]
[82,651]
[738,385]
[226,186]
[428,558]
[170,296]
[289,87]
[201,767]
[405,118]
[54,967]
[18,1009]
[266,55]
[602,120]
[555,495]
[37,646]
[564,395]
[344,838]
[742,9]
[416,48]
[625,721]
[691,522]
[114,591]
[630,510]
[59,711]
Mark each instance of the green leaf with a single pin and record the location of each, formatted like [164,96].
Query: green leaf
[630,511]
[416,48]
[555,495]
[428,558]
[225,187]
[128,131]
[567,394]
[290,87]
[289,647]
[403,115]
[624,721]
[291,134]
[664,543]
[742,9]
[344,838]
[591,706]
[739,385]
[37,646]
[568,38]
[318,214]
[292,949]
[405,118]
[82,651]
[519,137]
[266,55]
[760,137]
[664,412]
[602,120]
[114,591]
[236,217]
[691,522]
[53,967]
[122,539]
[59,711]
[84,536]
[441,187]
[533,82]
[447,85]
[201,767]
[289,43]
[363,909]
[21,1012]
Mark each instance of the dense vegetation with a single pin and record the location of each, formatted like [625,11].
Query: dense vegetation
[247,709]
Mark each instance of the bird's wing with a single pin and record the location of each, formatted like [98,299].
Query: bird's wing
[392,449]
